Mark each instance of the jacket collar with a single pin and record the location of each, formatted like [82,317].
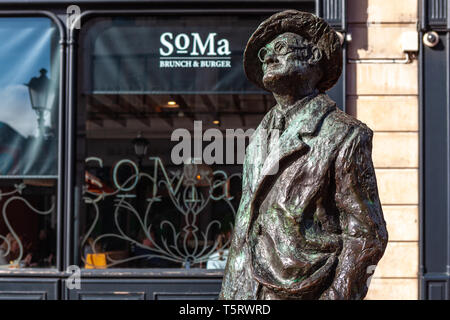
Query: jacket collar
[304,117]
[308,117]
[305,121]
[307,112]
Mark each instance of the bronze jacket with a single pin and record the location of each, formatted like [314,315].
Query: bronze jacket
[309,223]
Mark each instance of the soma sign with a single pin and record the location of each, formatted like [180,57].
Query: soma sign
[186,55]
[193,45]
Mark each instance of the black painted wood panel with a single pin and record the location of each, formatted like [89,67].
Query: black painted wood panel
[142,289]
[29,289]
[435,153]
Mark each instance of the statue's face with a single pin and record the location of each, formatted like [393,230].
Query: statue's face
[287,60]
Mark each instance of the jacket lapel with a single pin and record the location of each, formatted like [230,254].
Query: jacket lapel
[305,122]
[255,155]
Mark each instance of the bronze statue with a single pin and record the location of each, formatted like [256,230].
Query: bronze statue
[312,228]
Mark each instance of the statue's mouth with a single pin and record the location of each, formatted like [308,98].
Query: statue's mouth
[271,67]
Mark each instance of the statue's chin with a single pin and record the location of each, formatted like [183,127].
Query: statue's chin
[274,83]
[271,81]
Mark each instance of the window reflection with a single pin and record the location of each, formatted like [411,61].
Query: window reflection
[29,76]
[28,96]
[26,49]
[138,208]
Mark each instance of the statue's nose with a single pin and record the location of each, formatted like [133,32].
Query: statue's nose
[270,57]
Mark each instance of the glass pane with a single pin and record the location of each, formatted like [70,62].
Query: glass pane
[142,204]
[28,97]
[28,223]
[29,77]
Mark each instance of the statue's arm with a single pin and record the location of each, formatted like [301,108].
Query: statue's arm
[361,218]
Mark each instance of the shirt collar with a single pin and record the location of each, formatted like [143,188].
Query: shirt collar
[293,109]
[307,113]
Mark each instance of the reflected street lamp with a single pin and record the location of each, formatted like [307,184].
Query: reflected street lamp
[39,90]
[140,146]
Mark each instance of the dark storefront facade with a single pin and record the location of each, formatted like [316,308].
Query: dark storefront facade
[90,182]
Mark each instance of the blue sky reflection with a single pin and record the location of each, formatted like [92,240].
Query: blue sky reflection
[26,48]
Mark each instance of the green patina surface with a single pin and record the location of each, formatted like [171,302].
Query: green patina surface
[326,168]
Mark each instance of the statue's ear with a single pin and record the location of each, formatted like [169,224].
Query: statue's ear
[316,55]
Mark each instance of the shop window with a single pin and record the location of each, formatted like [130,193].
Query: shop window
[29,84]
[140,80]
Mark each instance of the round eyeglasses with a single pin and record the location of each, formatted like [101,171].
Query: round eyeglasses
[282,48]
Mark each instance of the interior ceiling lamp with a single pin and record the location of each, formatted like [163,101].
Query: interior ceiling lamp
[171,104]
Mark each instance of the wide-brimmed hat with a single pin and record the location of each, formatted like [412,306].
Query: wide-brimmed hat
[305,24]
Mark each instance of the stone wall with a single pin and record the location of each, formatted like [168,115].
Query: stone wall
[385,97]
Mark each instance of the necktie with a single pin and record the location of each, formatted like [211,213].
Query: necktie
[279,121]
[276,129]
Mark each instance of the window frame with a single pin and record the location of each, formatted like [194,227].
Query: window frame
[74,74]
[60,188]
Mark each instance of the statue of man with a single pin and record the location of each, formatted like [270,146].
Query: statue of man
[310,223]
